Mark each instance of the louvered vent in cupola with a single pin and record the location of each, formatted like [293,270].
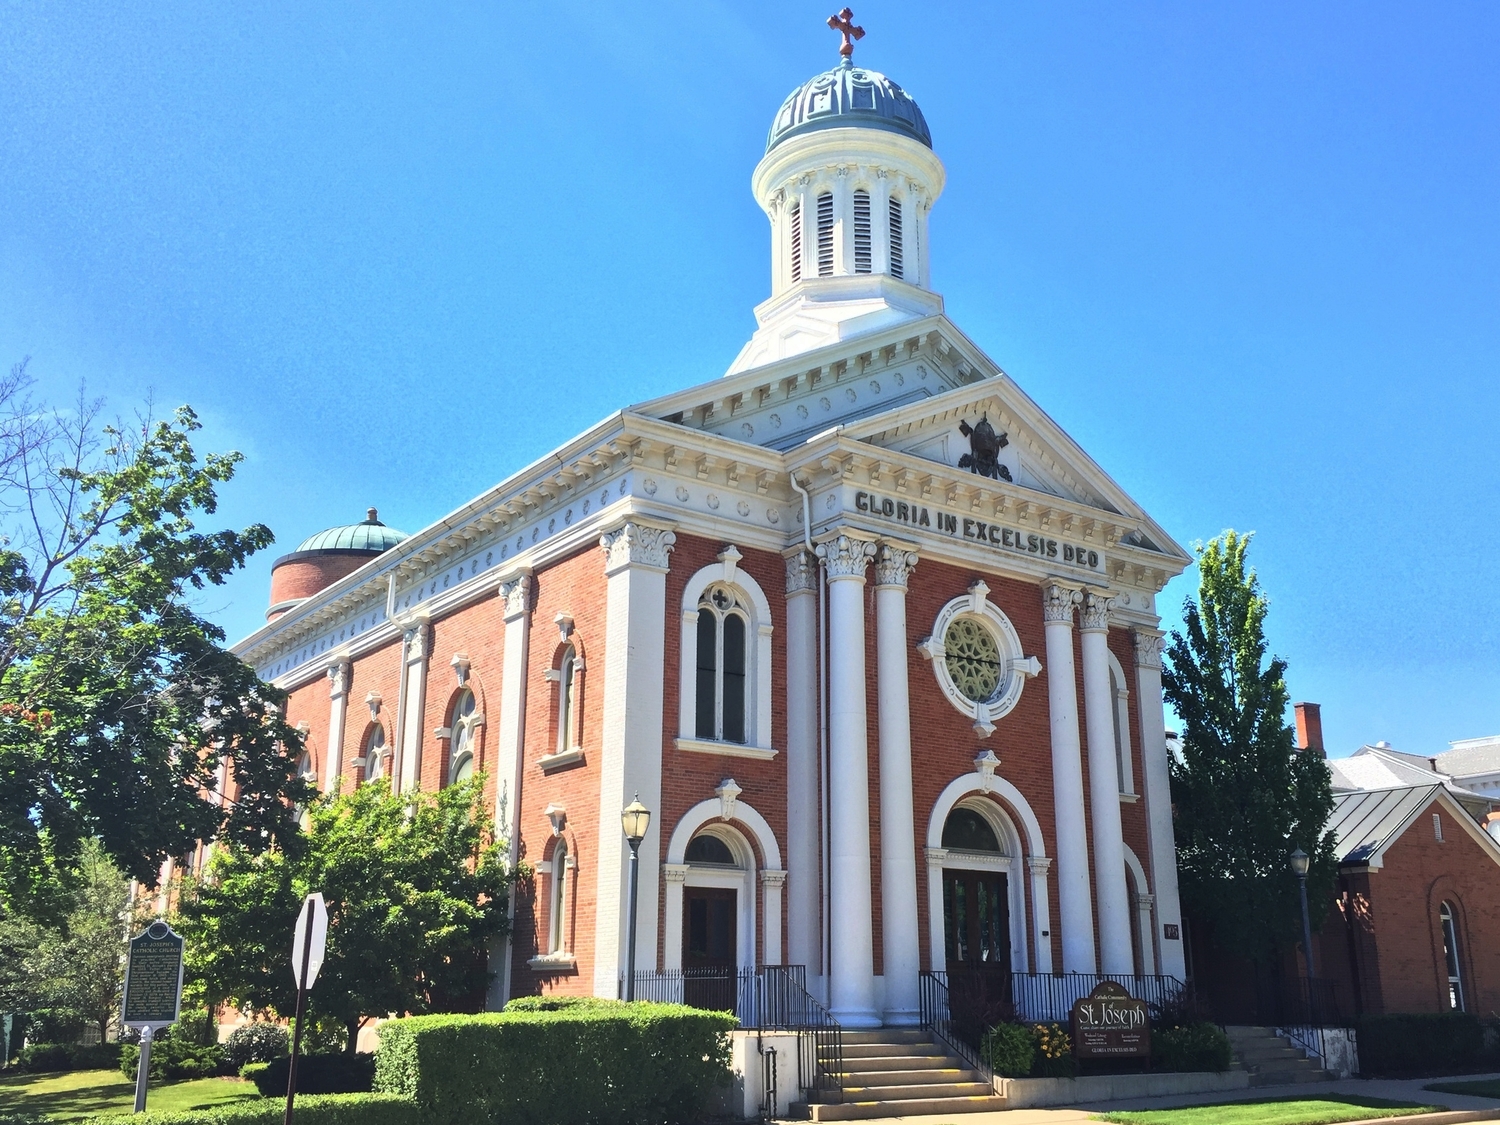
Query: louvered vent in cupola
[897,264]
[861,232]
[825,235]
[796,242]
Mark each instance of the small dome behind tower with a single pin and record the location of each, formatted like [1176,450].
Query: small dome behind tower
[321,560]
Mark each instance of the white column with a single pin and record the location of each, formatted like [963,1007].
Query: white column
[674,875]
[898,839]
[635,623]
[1111,895]
[338,709]
[510,733]
[852,971]
[413,706]
[1163,848]
[1041,912]
[937,939]
[1073,897]
[803,931]
[771,884]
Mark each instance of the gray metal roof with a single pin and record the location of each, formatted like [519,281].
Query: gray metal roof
[1366,821]
[848,95]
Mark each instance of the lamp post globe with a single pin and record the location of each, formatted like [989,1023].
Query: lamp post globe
[634,820]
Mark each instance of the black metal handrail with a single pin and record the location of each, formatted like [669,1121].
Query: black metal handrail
[937,1017]
[1049,997]
[1301,1008]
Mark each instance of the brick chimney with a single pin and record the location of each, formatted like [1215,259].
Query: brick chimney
[1310,728]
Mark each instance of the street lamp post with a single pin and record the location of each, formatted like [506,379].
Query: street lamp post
[1300,863]
[633,820]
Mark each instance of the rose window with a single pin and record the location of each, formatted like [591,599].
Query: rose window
[977,657]
[973,659]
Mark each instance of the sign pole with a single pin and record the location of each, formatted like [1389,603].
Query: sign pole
[291,1074]
[142,1069]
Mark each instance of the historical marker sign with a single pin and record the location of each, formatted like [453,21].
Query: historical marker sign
[1109,1023]
[153,978]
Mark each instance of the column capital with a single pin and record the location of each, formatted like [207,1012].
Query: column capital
[416,635]
[1058,600]
[674,872]
[846,556]
[636,544]
[338,679]
[516,593]
[801,571]
[1039,864]
[1149,644]
[773,878]
[1094,617]
[894,563]
[1145,901]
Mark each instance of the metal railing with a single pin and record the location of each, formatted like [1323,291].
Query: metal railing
[989,997]
[1302,1008]
[1049,997]
[767,998]
[937,1017]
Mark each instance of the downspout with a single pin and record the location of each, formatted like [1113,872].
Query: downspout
[827,936]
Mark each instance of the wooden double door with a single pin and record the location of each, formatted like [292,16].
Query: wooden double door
[710,938]
[976,931]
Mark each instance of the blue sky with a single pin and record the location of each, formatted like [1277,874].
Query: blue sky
[1248,255]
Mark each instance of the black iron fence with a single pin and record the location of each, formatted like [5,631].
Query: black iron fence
[1301,1008]
[767,998]
[980,999]
[937,1017]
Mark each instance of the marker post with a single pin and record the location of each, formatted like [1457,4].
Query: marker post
[309,941]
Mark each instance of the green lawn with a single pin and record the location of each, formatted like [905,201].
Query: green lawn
[80,1093]
[1484,1088]
[1274,1111]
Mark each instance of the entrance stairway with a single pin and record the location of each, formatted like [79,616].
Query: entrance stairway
[1272,1059]
[895,1072]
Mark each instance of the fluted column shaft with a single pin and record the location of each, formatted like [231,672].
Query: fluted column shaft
[803,908]
[898,846]
[852,956]
[1115,915]
[1074,906]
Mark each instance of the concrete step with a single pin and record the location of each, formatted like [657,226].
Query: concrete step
[924,1091]
[1290,1077]
[1279,1051]
[888,1035]
[889,1050]
[898,1062]
[910,1077]
[862,1111]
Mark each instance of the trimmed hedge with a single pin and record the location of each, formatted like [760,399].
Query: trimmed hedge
[316,1074]
[1420,1044]
[39,1057]
[1197,1047]
[324,1109]
[599,1063]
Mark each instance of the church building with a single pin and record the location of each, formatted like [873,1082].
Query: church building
[869,636]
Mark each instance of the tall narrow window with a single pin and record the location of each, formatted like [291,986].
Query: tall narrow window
[460,739]
[722,664]
[796,241]
[897,260]
[825,235]
[567,702]
[558,901]
[1450,957]
[861,232]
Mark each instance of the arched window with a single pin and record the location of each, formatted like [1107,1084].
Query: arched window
[722,659]
[1450,957]
[897,261]
[567,701]
[825,234]
[460,740]
[374,752]
[557,901]
[711,850]
[796,241]
[1120,695]
[861,231]
[967,831]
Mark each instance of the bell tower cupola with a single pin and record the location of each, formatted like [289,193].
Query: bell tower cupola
[847,181]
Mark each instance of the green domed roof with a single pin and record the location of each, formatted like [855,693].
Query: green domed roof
[370,535]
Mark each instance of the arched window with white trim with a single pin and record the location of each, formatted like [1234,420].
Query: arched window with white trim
[461,738]
[1449,925]
[726,662]
[1120,709]
[567,701]
[374,752]
[557,899]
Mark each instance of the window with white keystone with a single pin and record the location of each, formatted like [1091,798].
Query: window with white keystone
[374,752]
[567,701]
[723,626]
[726,662]
[976,656]
[558,899]
[461,741]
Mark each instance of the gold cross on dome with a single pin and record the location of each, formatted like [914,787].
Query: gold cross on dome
[844,23]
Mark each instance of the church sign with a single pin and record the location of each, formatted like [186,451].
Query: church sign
[1109,1023]
[1009,540]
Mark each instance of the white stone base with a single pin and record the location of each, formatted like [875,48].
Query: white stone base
[744,1097]
[1026,1093]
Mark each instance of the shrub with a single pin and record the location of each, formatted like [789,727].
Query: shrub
[1420,1044]
[1009,1049]
[22,1117]
[254,1043]
[325,1109]
[601,1064]
[250,1070]
[1201,1046]
[55,1025]
[559,1003]
[318,1074]
[37,1057]
[1054,1052]
[172,1057]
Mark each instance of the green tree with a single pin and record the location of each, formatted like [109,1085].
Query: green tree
[416,891]
[70,974]
[118,703]
[1244,796]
